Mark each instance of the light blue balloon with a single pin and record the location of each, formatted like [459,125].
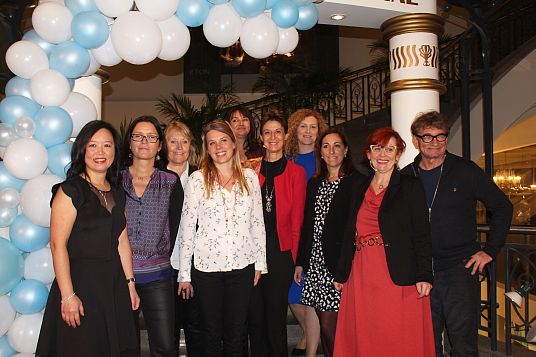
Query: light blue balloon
[285,13]
[11,266]
[5,348]
[70,59]
[28,236]
[7,216]
[7,134]
[270,4]
[9,181]
[302,3]
[90,29]
[34,37]
[193,13]
[308,17]
[59,159]
[16,106]
[249,8]
[29,297]
[71,83]
[77,6]
[18,86]
[53,126]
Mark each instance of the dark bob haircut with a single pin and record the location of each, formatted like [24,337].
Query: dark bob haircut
[347,167]
[161,160]
[78,152]
[251,143]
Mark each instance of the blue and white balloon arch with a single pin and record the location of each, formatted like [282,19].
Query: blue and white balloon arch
[70,39]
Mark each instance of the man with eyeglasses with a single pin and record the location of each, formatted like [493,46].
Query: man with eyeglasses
[453,185]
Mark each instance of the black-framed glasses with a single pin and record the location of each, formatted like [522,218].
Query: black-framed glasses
[427,138]
[150,138]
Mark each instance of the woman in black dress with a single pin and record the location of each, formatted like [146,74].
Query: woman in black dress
[89,309]
[329,194]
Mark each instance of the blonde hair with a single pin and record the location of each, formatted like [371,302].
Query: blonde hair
[294,121]
[206,165]
[185,131]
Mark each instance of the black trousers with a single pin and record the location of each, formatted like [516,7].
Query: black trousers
[158,306]
[188,317]
[455,304]
[267,318]
[223,299]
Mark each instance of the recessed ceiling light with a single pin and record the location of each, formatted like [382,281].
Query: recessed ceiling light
[338,17]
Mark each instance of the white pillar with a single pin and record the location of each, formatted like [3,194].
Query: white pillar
[91,87]
[414,65]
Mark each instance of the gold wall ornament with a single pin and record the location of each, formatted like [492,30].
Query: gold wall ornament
[425,52]
[415,84]
[404,56]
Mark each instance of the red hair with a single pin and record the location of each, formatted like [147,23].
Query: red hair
[381,137]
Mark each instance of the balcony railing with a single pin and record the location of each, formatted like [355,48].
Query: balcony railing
[515,265]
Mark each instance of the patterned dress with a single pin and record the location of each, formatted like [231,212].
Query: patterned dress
[318,290]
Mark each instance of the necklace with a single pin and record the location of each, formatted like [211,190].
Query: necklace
[380,187]
[234,193]
[269,198]
[435,192]
[228,181]
[102,193]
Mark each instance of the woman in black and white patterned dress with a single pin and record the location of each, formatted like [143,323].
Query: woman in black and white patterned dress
[329,194]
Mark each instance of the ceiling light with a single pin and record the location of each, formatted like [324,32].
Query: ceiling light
[338,17]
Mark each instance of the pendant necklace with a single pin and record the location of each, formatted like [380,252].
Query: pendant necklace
[102,193]
[435,192]
[269,198]
[234,193]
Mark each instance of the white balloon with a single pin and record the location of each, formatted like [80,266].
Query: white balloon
[52,22]
[81,109]
[26,58]
[49,87]
[38,265]
[259,37]
[136,37]
[24,332]
[114,8]
[26,158]
[288,40]
[7,314]
[94,65]
[25,126]
[223,25]
[9,197]
[35,198]
[176,37]
[158,10]
[24,355]
[106,54]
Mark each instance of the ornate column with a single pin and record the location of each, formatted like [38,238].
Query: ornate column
[414,65]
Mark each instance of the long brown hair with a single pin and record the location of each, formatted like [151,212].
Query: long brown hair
[206,164]
[347,167]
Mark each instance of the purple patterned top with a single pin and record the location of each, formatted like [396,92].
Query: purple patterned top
[148,225]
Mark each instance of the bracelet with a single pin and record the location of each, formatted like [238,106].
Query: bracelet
[131,280]
[68,298]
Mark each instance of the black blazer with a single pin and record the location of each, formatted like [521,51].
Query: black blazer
[334,224]
[175,207]
[403,220]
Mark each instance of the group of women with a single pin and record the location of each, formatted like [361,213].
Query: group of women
[222,244]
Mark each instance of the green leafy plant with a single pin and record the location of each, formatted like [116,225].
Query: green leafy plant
[214,106]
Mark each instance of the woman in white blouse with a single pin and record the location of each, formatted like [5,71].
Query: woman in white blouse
[222,227]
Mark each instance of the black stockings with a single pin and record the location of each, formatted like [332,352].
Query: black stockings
[328,324]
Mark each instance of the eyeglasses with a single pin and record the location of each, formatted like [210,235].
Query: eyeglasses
[139,138]
[388,149]
[429,138]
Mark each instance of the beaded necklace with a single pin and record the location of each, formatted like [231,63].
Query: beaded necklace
[234,193]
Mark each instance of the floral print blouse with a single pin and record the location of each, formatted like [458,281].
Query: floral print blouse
[230,233]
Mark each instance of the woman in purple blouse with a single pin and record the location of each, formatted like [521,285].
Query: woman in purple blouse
[151,193]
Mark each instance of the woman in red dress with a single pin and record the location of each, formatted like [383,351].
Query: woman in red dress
[385,304]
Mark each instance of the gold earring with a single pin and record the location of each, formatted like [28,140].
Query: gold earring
[372,165]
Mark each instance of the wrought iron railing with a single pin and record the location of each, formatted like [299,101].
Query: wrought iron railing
[361,92]
[518,263]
